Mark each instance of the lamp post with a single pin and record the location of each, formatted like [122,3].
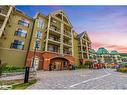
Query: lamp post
[27,69]
[35,49]
[26,78]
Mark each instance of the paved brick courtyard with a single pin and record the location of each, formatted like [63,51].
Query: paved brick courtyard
[81,79]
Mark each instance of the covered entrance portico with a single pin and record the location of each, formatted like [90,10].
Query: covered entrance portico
[59,63]
[54,61]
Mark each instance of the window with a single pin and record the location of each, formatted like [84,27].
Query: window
[39,34]
[37,45]
[40,23]
[24,22]
[17,44]
[21,32]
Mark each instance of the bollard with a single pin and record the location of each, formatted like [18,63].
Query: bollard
[26,78]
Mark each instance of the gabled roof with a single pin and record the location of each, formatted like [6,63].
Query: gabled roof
[61,12]
[58,11]
[39,14]
[81,35]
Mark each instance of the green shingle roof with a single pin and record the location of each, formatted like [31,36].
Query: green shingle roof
[123,54]
[92,51]
[114,52]
[102,51]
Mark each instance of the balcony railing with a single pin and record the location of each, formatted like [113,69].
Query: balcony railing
[54,28]
[68,52]
[68,43]
[1,24]
[54,50]
[2,11]
[54,38]
[67,33]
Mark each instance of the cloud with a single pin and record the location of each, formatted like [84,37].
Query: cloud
[109,40]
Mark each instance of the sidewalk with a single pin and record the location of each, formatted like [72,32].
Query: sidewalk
[15,75]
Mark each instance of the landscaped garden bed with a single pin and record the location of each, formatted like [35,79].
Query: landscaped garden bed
[124,70]
[23,85]
[11,69]
[16,84]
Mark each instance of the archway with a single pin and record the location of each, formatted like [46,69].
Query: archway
[59,63]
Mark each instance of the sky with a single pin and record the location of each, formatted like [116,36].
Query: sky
[105,25]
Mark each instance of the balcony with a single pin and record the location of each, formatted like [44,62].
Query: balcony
[85,55]
[67,44]
[54,48]
[54,40]
[1,23]
[3,11]
[54,29]
[67,33]
[67,51]
[55,23]
[66,41]
[83,42]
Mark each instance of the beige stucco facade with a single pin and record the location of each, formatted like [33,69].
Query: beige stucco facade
[25,39]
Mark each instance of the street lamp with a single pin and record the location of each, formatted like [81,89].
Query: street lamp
[35,49]
[27,69]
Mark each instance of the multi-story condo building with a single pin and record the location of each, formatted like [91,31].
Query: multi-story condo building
[44,42]
[84,47]
[123,57]
[103,56]
[116,58]
[15,34]
[93,56]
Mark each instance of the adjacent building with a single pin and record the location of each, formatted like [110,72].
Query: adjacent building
[44,42]
[104,56]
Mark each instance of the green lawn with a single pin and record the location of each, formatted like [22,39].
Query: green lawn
[23,85]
